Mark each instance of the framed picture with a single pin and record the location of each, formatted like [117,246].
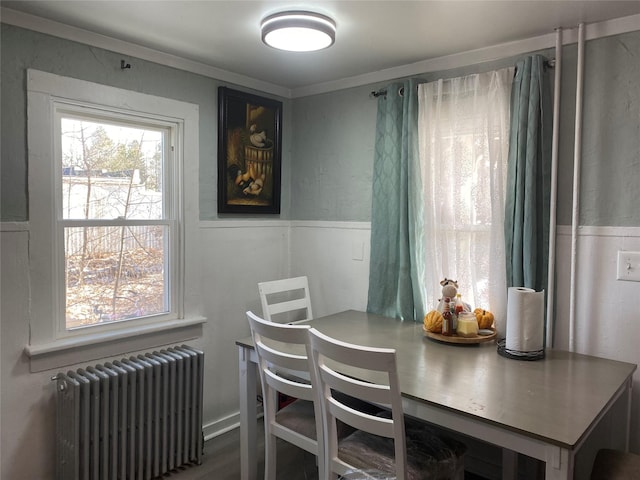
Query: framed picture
[249,153]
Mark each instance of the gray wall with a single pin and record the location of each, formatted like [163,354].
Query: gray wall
[611,133]
[23,49]
[333,151]
[334,135]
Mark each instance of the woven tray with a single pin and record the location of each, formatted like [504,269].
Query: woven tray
[456,339]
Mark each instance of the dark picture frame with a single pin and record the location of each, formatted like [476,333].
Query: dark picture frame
[249,152]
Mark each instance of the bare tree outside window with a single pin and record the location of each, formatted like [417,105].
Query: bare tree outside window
[115,231]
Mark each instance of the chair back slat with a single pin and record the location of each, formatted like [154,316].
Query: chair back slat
[373,392]
[283,360]
[288,306]
[289,387]
[362,421]
[369,358]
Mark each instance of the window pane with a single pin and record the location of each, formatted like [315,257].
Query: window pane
[111,171]
[115,273]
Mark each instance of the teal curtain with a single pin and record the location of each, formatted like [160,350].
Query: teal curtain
[529,176]
[393,284]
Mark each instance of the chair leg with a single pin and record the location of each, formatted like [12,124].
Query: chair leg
[329,473]
[270,452]
[320,465]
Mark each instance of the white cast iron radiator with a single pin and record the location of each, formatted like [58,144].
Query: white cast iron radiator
[133,419]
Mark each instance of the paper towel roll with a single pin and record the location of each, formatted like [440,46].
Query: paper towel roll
[525,320]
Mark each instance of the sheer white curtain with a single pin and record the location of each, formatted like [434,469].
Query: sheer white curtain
[463,128]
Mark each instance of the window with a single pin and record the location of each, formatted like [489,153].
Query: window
[111,222]
[115,217]
[463,142]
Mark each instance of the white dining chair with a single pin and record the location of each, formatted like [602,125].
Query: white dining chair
[286,300]
[383,444]
[300,422]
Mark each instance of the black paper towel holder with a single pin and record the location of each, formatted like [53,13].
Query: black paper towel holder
[518,355]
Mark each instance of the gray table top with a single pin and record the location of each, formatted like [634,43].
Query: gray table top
[555,399]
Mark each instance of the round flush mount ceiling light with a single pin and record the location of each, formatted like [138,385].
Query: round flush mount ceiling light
[298,31]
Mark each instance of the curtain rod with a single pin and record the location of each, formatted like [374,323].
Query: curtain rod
[551,63]
[378,93]
[383,91]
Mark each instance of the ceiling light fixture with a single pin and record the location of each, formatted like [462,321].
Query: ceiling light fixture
[298,31]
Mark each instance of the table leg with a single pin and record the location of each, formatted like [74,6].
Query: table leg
[509,464]
[559,465]
[628,419]
[248,415]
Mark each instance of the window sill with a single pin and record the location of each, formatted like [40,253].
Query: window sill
[68,351]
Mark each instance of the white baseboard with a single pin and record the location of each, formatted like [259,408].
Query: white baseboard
[221,426]
[224,425]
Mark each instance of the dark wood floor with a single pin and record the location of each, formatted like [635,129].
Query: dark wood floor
[221,461]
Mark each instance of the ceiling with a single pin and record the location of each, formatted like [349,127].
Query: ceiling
[371,35]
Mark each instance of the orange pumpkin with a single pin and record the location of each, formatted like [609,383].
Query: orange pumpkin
[484,317]
[433,321]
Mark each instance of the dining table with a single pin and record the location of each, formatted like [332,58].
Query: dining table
[547,408]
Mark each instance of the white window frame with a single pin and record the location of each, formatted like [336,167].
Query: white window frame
[51,346]
[172,216]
